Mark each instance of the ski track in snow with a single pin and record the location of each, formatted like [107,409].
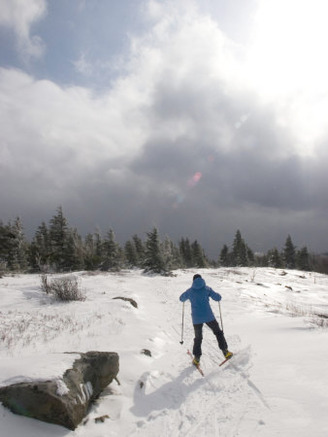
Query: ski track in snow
[189,405]
[164,394]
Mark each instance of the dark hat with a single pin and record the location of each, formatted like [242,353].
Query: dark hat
[196,276]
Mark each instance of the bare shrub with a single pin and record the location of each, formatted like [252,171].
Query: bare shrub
[64,289]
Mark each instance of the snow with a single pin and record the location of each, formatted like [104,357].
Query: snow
[275,385]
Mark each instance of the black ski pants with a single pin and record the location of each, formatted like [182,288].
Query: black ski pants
[214,326]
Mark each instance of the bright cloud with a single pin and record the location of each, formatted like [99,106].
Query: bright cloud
[287,64]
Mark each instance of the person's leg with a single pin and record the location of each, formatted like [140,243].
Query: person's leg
[197,349]
[214,326]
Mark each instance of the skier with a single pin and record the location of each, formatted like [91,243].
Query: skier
[201,313]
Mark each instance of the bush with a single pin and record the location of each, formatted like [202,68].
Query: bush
[64,289]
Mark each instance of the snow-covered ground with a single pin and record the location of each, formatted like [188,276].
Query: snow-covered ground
[276,384]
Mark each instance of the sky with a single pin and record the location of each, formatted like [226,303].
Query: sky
[199,118]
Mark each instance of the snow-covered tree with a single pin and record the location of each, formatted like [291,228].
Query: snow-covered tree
[13,246]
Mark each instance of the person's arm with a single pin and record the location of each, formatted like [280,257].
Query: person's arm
[214,295]
[184,296]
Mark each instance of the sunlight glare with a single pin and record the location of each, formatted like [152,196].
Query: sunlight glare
[287,62]
[288,52]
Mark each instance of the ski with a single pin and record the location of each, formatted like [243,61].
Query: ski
[225,360]
[195,365]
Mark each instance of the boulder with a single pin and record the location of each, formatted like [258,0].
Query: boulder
[66,399]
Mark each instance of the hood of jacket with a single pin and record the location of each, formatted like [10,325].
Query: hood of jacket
[198,283]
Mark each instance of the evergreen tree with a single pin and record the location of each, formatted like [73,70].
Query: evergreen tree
[186,252]
[167,251]
[58,233]
[5,244]
[261,260]
[13,246]
[131,255]
[303,259]
[289,254]
[198,256]
[111,252]
[20,248]
[74,253]
[239,251]
[93,251]
[140,249]
[171,255]
[224,258]
[89,250]
[154,261]
[274,259]
[250,256]
[40,248]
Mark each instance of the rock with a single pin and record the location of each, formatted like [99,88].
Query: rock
[146,352]
[64,401]
[101,419]
[128,299]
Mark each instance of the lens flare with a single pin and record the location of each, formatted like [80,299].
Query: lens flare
[195,179]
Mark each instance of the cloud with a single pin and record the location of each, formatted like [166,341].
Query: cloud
[83,66]
[20,16]
[178,141]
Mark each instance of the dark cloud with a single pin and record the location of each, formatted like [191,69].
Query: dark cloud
[177,142]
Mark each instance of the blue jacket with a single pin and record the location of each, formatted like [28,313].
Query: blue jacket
[199,295]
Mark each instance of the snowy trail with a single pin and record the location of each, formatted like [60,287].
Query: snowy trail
[175,400]
[273,386]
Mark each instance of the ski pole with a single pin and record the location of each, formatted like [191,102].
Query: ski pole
[221,316]
[182,324]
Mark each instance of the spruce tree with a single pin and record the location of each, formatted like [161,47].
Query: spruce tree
[60,242]
[303,259]
[154,262]
[89,250]
[74,253]
[13,246]
[198,256]
[171,255]
[111,252]
[131,255]
[224,258]
[140,249]
[40,249]
[186,252]
[20,248]
[274,259]
[289,254]
[5,243]
[93,250]
[239,251]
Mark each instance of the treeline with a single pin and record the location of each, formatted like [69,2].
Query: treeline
[57,247]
